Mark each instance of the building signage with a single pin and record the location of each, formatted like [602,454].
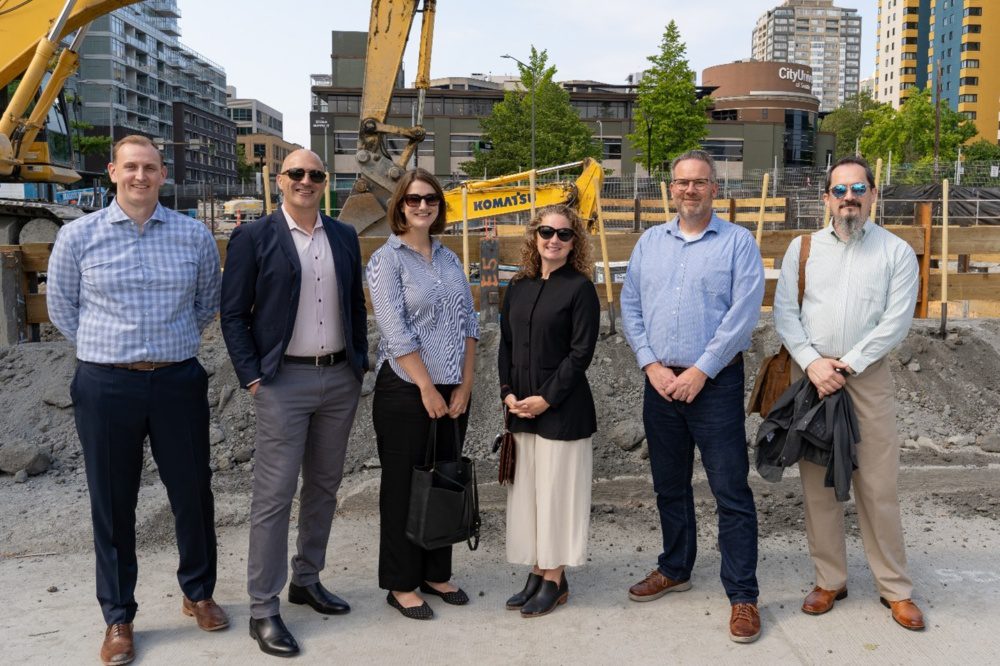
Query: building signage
[798,77]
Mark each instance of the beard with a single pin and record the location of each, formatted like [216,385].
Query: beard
[692,211]
[848,221]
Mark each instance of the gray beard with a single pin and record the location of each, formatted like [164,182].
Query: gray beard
[848,226]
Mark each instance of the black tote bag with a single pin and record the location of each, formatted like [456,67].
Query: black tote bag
[444,499]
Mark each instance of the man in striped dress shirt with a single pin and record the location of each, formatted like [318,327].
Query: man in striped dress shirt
[133,286]
[861,288]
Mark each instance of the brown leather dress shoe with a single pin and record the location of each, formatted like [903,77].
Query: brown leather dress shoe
[118,647]
[655,585]
[905,613]
[209,614]
[744,623]
[820,601]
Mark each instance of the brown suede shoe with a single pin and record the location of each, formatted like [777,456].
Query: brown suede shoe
[905,613]
[820,601]
[744,623]
[655,585]
[118,647]
[209,614]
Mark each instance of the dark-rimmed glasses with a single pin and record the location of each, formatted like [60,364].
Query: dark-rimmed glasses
[315,175]
[413,200]
[565,234]
[857,189]
[699,183]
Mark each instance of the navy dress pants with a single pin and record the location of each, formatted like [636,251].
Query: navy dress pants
[116,409]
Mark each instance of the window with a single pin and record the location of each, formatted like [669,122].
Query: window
[970,64]
[241,114]
[724,149]
[971,28]
[464,145]
[345,143]
[726,114]
[969,81]
[970,46]
[968,99]
[612,149]
[973,11]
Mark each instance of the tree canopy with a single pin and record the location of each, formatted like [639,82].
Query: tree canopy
[560,135]
[909,132]
[848,121]
[669,117]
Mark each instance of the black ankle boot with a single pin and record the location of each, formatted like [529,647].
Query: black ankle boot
[549,596]
[530,588]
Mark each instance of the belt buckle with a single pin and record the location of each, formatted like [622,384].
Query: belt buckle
[316,361]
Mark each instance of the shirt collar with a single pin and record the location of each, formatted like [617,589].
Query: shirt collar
[292,226]
[116,215]
[674,228]
[865,228]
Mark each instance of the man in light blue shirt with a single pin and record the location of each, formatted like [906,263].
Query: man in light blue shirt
[690,301]
[132,286]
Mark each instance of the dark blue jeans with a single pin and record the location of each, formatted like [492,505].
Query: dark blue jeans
[714,422]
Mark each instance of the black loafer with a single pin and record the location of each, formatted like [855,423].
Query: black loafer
[456,598]
[273,636]
[522,597]
[549,596]
[319,598]
[421,612]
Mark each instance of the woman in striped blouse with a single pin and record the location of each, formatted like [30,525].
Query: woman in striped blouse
[426,357]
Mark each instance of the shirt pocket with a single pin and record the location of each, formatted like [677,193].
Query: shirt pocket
[716,281]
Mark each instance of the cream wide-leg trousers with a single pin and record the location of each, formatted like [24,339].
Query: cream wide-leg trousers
[548,506]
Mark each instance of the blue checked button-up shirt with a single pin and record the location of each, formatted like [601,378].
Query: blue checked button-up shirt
[421,305]
[692,302]
[121,295]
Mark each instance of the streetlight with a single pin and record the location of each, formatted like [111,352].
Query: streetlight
[323,123]
[534,81]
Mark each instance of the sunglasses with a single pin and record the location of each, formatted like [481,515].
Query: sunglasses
[315,175]
[857,189]
[546,232]
[413,200]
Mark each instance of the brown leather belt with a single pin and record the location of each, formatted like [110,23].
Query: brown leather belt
[676,369]
[326,360]
[143,366]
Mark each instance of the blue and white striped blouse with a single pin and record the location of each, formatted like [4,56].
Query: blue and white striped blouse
[421,305]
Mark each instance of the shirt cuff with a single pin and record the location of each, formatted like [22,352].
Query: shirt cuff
[854,359]
[644,356]
[709,364]
[402,349]
[806,356]
[256,381]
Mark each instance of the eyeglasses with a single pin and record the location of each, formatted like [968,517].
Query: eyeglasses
[699,183]
[315,175]
[565,234]
[857,189]
[413,200]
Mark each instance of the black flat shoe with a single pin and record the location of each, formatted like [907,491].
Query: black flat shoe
[421,612]
[530,588]
[319,599]
[456,598]
[549,596]
[273,637]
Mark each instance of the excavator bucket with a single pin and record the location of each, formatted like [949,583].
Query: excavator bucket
[365,213]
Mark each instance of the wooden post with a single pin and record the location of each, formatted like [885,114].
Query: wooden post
[732,210]
[14,314]
[878,178]
[489,280]
[265,173]
[326,195]
[607,268]
[465,228]
[532,178]
[922,213]
[666,201]
[944,258]
[760,215]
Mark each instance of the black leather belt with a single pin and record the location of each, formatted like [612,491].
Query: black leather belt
[328,359]
[678,370]
[141,366]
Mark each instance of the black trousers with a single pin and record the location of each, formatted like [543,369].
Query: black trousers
[116,409]
[401,429]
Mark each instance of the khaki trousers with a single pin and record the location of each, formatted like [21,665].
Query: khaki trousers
[874,488]
[548,505]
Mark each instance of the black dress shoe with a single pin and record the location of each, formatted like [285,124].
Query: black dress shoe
[421,612]
[549,596]
[456,598]
[530,588]
[273,636]
[319,598]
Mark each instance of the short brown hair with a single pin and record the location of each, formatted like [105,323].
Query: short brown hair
[136,140]
[397,221]
[579,256]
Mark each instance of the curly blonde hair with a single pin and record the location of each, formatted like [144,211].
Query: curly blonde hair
[579,256]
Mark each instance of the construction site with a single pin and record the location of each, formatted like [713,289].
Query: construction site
[947,389]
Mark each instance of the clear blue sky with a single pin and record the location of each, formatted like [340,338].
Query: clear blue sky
[269,49]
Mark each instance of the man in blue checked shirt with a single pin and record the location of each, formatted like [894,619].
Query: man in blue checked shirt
[690,301]
[133,286]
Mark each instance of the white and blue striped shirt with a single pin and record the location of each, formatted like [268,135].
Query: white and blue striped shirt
[421,305]
[859,297]
[692,301]
[123,294]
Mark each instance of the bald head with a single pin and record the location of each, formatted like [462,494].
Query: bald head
[303,158]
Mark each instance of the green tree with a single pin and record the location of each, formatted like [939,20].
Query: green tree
[909,132]
[560,135]
[84,144]
[669,117]
[848,121]
[244,170]
[981,151]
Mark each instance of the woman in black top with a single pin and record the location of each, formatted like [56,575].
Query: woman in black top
[549,325]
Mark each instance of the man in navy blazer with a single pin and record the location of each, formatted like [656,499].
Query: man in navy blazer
[294,321]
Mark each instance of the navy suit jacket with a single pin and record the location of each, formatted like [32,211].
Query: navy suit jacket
[260,295]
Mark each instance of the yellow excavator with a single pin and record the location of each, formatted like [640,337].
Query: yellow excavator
[35,135]
[365,208]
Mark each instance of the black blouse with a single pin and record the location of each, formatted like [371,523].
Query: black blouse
[548,332]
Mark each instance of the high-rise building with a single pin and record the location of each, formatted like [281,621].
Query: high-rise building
[252,116]
[817,34]
[964,48]
[133,69]
[901,49]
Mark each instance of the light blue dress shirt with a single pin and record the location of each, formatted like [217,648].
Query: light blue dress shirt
[692,302]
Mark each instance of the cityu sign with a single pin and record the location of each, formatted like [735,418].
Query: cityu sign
[797,76]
